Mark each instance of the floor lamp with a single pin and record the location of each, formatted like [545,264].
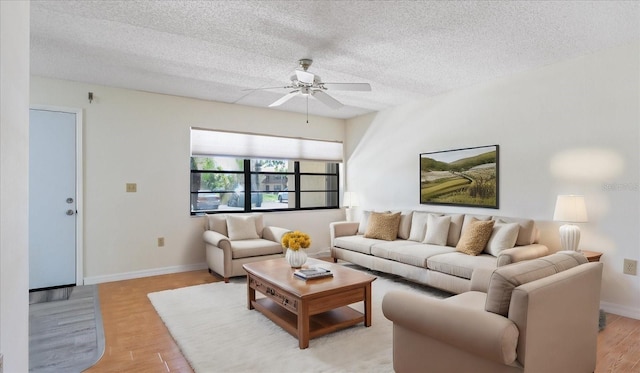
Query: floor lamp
[570,209]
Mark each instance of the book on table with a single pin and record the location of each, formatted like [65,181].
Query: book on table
[312,272]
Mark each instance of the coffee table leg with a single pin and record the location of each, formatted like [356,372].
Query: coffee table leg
[251,294]
[367,305]
[303,326]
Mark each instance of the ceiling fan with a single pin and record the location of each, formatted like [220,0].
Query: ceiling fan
[308,84]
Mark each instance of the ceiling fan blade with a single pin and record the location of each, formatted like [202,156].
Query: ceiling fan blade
[348,86]
[327,100]
[305,76]
[260,89]
[284,98]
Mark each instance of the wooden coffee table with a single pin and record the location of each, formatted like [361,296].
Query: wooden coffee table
[308,309]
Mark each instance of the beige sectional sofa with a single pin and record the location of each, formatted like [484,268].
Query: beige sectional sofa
[424,249]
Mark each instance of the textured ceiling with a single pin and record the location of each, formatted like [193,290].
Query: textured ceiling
[406,50]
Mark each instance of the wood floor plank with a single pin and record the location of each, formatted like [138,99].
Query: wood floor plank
[138,341]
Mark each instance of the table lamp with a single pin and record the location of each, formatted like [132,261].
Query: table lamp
[350,200]
[570,209]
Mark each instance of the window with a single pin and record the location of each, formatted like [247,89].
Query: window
[223,184]
[228,182]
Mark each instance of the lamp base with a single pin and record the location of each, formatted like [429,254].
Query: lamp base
[569,237]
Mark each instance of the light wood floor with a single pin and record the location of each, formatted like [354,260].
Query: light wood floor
[138,341]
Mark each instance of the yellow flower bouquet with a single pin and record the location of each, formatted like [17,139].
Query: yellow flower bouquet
[296,240]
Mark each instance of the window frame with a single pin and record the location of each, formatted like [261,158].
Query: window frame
[249,174]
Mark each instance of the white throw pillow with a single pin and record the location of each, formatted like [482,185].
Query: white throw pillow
[364,221]
[503,237]
[418,226]
[241,227]
[437,230]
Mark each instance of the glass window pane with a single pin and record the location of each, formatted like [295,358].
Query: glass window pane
[217,164]
[220,182]
[318,182]
[318,199]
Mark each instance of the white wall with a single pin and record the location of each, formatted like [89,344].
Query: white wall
[143,138]
[569,128]
[14,179]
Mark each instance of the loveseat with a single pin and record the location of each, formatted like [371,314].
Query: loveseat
[431,248]
[534,316]
[232,240]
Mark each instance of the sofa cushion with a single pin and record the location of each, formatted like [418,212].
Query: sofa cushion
[355,243]
[383,226]
[242,227]
[364,220]
[254,247]
[217,223]
[412,253]
[505,279]
[418,225]
[404,228]
[437,230]
[475,237]
[468,219]
[503,237]
[459,264]
[455,229]
[527,234]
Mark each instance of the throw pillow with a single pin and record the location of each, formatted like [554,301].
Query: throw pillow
[364,221]
[405,224]
[475,237]
[418,226]
[241,227]
[504,236]
[437,230]
[383,226]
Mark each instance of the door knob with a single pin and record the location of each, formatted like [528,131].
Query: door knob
[70,212]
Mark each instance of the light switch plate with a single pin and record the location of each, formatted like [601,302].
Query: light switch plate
[132,187]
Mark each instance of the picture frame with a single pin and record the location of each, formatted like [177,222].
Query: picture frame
[461,177]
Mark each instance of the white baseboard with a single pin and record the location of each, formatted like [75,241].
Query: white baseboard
[144,273]
[617,309]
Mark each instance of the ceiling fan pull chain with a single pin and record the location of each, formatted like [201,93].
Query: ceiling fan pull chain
[307,109]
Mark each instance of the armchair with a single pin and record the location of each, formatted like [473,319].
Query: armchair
[233,240]
[536,316]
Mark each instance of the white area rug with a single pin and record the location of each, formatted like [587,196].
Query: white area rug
[218,333]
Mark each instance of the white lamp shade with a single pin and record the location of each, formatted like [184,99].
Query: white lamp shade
[351,199]
[571,209]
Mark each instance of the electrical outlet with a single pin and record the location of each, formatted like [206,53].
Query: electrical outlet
[630,267]
[132,187]
[160,241]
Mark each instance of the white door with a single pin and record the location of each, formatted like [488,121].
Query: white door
[52,198]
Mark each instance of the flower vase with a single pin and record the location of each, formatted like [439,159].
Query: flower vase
[296,258]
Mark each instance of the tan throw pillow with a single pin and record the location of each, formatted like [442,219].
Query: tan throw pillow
[437,230]
[503,237]
[475,237]
[242,227]
[383,226]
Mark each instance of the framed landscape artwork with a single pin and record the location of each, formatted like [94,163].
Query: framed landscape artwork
[460,177]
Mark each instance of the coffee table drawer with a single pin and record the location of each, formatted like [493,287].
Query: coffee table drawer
[286,300]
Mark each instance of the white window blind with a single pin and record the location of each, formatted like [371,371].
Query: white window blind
[219,143]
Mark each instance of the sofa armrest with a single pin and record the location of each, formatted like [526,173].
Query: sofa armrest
[484,334]
[480,278]
[274,233]
[214,238]
[520,253]
[343,228]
